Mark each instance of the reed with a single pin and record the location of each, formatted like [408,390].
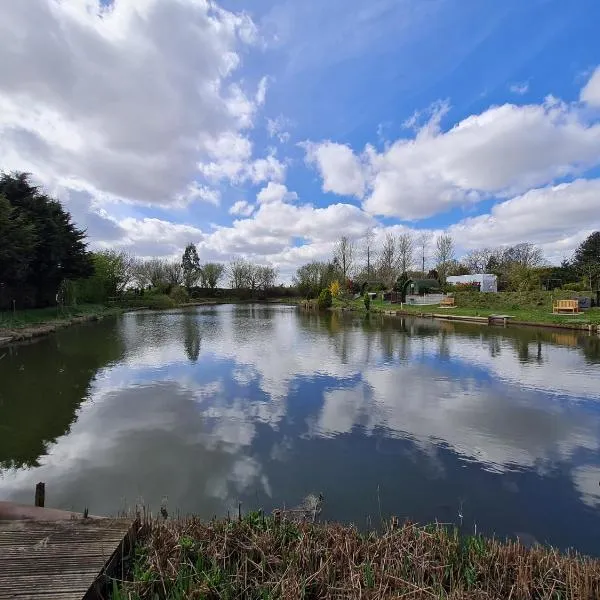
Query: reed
[274,557]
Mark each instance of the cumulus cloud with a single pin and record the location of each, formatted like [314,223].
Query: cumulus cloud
[241,207]
[275,192]
[591,92]
[110,94]
[340,168]
[285,234]
[556,217]
[503,151]
[231,159]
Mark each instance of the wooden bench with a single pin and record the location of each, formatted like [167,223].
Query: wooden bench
[571,306]
[448,301]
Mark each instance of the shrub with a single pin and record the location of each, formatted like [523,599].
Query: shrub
[179,295]
[367,301]
[325,299]
[157,301]
[578,286]
[335,288]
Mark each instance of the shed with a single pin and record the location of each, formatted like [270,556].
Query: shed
[418,287]
[486,281]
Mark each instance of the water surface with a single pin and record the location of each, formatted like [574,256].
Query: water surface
[491,428]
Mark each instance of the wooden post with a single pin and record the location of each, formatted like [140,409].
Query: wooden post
[40,494]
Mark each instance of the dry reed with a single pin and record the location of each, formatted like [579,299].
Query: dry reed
[273,557]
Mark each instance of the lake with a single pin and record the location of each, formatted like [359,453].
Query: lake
[494,429]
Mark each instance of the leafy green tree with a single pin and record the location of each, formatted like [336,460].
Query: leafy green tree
[190,264]
[113,272]
[54,249]
[587,260]
[17,247]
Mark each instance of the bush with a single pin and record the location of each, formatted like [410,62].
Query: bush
[367,301]
[335,288]
[325,299]
[578,286]
[179,295]
[149,300]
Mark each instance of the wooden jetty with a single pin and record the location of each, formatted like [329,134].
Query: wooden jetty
[48,554]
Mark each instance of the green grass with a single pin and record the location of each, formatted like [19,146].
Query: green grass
[21,319]
[526,315]
[497,304]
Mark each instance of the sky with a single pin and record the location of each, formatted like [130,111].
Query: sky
[266,130]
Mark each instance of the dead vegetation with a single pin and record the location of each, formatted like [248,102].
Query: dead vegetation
[273,557]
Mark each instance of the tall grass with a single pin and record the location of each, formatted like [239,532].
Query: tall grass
[269,557]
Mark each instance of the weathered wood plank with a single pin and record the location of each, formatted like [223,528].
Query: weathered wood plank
[57,560]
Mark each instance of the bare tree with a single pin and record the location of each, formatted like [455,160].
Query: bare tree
[423,241]
[523,255]
[478,260]
[238,274]
[406,250]
[344,255]
[150,272]
[266,276]
[210,274]
[173,273]
[388,261]
[444,255]
[369,252]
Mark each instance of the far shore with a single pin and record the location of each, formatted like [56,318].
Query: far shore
[27,325]
[588,320]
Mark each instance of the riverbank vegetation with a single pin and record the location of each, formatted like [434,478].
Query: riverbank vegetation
[272,557]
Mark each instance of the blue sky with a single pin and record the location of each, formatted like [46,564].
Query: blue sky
[268,130]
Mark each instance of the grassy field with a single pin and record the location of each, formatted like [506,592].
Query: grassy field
[22,319]
[537,311]
[272,558]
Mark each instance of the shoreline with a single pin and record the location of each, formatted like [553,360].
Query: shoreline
[273,556]
[29,332]
[474,319]
[589,327]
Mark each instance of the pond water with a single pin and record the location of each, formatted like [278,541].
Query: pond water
[490,428]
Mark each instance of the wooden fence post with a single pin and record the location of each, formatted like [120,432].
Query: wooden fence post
[40,494]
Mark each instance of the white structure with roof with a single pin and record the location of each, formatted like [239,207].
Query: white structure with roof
[487,282]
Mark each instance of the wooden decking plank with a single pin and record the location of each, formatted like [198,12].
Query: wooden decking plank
[58,559]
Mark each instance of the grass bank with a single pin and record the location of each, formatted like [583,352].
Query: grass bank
[273,558]
[533,308]
[27,324]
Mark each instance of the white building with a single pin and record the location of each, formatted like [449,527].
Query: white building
[486,281]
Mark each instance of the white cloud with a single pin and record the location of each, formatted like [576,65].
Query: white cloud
[591,92]
[110,95]
[275,192]
[275,229]
[230,156]
[195,191]
[556,217]
[520,88]
[340,168]
[278,128]
[505,150]
[261,92]
[242,208]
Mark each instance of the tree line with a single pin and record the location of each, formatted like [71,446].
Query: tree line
[44,259]
[357,265]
